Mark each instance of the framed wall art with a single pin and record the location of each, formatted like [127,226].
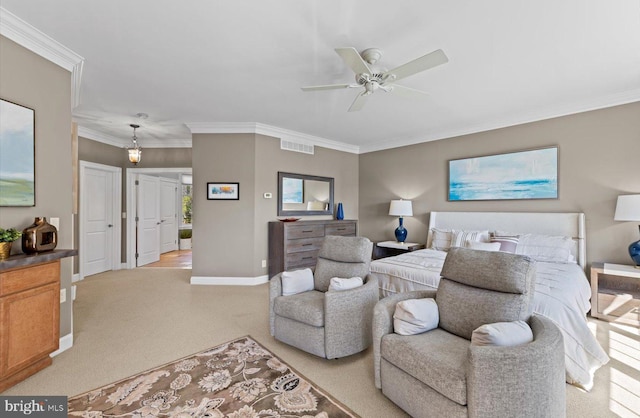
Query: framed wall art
[292,190]
[531,174]
[17,155]
[223,191]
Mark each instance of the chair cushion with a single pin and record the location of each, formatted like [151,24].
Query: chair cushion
[500,271]
[464,308]
[297,281]
[342,257]
[415,316]
[338,284]
[307,307]
[503,334]
[436,358]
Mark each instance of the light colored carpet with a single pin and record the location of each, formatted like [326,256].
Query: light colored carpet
[129,321]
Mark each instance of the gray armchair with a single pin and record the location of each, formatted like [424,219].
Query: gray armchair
[439,373]
[328,324]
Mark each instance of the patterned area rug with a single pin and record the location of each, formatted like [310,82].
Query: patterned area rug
[239,379]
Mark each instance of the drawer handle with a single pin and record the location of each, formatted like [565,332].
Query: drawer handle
[342,229]
[306,245]
[311,230]
[307,258]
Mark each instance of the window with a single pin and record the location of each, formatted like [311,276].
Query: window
[186,199]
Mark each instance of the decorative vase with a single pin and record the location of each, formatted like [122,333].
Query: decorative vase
[340,212]
[5,250]
[39,237]
[634,252]
[401,232]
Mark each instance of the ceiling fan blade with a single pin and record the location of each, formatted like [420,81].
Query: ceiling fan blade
[404,91]
[359,102]
[328,87]
[432,59]
[353,59]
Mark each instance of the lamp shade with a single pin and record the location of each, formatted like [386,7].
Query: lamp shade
[400,208]
[628,208]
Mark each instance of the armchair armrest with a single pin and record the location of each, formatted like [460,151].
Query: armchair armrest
[275,290]
[512,381]
[348,316]
[383,322]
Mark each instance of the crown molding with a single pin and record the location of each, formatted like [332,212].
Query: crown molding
[98,136]
[102,137]
[25,35]
[268,130]
[617,99]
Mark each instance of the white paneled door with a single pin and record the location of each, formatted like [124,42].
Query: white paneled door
[99,218]
[148,217]
[168,215]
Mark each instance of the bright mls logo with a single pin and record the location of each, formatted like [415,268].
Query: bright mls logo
[36,406]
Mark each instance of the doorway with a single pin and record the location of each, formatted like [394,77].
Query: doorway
[153,214]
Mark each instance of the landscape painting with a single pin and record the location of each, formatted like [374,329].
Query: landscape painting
[17,155]
[518,175]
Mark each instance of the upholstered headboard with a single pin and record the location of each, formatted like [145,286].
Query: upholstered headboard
[547,223]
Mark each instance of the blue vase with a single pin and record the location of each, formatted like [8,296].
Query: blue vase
[401,232]
[340,212]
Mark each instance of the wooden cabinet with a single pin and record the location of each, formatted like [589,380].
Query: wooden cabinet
[29,320]
[296,244]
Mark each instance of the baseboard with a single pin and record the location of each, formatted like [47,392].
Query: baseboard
[233,281]
[66,343]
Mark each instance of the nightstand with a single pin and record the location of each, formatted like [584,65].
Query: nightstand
[390,248]
[615,293]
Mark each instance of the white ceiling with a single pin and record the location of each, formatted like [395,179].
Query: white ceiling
[214,64]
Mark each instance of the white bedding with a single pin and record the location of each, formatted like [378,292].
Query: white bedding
[562,295]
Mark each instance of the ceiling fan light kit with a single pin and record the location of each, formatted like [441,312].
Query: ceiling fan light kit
[373,78]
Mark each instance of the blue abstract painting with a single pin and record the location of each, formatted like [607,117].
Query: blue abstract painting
[292,190]
[517,175]
[17,156]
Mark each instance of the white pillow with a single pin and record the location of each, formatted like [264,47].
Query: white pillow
[440,239]
[415,316]
[460,237]
[297,281]
[337,284]
[550,248]
[505,334]
[483,246]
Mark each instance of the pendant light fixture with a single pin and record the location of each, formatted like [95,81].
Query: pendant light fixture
[135,152]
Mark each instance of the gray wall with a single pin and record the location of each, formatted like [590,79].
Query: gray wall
[32,81]
[230,237]
[598,160]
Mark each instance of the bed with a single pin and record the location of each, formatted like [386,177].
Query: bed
[562,290]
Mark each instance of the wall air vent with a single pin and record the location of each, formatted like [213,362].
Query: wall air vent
[296,146]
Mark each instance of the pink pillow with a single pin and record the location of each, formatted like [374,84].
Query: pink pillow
[508,243]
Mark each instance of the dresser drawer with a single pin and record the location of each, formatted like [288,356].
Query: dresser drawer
[347,229]
[301,259]
[304,231]
[303,244]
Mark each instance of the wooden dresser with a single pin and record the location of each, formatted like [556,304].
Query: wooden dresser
[29,314]
[296,244]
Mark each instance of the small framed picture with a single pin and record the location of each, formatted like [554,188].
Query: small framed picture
[223,191]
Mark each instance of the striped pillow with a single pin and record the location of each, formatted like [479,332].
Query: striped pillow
[508,243]
[460,237]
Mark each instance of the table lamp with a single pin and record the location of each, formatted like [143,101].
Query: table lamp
[400,208]
[628,209]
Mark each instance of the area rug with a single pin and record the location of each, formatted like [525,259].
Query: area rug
[238,379]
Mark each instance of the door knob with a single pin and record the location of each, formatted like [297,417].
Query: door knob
[110,226]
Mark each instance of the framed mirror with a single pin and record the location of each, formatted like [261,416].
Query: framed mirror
[303,195]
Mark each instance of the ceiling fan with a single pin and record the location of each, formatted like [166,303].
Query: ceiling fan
[374,78]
